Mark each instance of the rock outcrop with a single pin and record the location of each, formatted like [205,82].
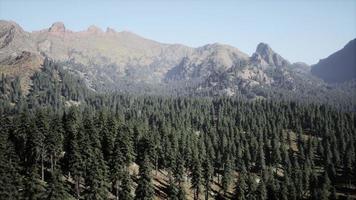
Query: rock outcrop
[57,27]
[266,57]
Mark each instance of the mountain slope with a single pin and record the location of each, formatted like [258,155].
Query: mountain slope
[205,61]
[126,54]
[18,54]
[123,61]
[339,66]
[265,56]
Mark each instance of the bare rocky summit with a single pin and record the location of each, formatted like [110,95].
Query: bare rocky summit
[122,60]
[265,56]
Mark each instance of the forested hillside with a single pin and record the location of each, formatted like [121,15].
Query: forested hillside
[65,141]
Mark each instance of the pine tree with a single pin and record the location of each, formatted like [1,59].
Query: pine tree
[95,180]
[96,173]
[56,188]
[196,175]
[117,167]
[207,175]
[284,192]
[325,191]
[252,192]
[73,158]
[226,178]
[34,187]
[144,190]
[42,131]
[241,187]
[262,190]
[54,141]
[260,153]
[172,190]
[178,171]
[121,158]
[10,177]
[34,149]
[125,192]
[181,193]
[21,132]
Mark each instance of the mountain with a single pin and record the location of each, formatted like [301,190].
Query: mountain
[113,60]
[266,57]
[18,54]
[339,66]
[205,61]
[105,57]
[108,137]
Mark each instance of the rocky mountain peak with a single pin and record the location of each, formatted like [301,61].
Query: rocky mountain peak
[94,29]
[57,27]
[11,34]
[6,25]
[265,56]
[110,30]
[264,49]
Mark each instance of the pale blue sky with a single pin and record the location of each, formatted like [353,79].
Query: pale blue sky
[303,30]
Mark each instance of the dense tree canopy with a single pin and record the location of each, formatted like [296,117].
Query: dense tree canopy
[63,140]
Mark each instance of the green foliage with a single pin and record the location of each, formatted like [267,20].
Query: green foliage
[144,190]
[56,186]
[63,139]
[34,188]
[126,184]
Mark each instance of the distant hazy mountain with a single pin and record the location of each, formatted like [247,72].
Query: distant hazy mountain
[339,66]
[112,60]
[126,54]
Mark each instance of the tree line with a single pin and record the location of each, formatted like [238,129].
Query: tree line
[209,148]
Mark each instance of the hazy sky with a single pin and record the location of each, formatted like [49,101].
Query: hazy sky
[303,30]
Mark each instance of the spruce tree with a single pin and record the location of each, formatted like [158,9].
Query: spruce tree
[42,131]
[96,173]
[241,187]
[325,191]
[207,175]
[56,186]
[34,188]
[172,190]
[54,141]
[196,175]
[144,190]
[125,192]
[73,159]
[10,177]
[226,178]
[182,195]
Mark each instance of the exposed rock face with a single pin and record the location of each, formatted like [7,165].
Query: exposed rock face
[111,54]
[13,38]
[113,60]
[18,52]
[7,34]
[57,27]
[16,58]
[339,66]
[205,61]
[265,56]
[94,29]
[110,30]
